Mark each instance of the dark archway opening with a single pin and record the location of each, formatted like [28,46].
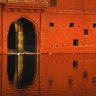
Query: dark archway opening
[29,36]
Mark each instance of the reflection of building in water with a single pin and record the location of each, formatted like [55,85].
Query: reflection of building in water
[94,81]
[59,75]
[21,70]
[68,75]
[0,74]
[85,74]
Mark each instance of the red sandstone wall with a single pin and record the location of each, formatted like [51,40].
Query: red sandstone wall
[74,5]
[90,4]
[59,38]
[0,29]
[70,4]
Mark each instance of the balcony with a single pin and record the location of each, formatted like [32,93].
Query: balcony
[29,4]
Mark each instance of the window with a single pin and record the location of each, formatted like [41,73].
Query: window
[71,25]
[75,42]
[85,31]
[53,3]
[51,24]
[94,25]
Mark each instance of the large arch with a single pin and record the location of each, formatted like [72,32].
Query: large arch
[29,35]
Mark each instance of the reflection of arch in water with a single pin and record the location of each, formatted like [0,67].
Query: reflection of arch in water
[28,31]
[21,70]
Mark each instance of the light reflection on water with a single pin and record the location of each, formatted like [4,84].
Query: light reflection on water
[48,75]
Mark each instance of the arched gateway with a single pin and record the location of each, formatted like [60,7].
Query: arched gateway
[22,36]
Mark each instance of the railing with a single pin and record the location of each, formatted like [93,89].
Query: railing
[15,52]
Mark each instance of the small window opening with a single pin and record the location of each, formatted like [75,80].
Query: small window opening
[53,3]
[75,42]
[85,31]
[94,25]
[71,25]
[75,64]
[51,24]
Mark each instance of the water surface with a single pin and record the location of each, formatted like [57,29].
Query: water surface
[48,75]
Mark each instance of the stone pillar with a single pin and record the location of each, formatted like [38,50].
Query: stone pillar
[20,41]
[19,36]
[1,28]
[0,49]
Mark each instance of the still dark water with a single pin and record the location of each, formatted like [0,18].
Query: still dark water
[48,75]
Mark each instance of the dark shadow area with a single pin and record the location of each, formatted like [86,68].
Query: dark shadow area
[21,70]
[11,67]
[29,35]
[11,37]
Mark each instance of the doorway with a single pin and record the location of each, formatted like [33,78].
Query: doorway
[22,36]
